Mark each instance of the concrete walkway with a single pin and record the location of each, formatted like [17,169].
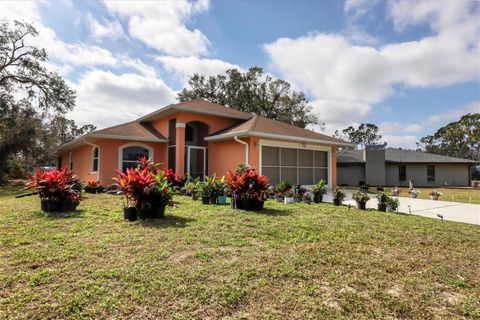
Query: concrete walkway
[451,211]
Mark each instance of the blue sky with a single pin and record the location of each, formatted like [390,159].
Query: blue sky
[408,66]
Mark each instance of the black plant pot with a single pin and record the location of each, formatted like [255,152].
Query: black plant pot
[205,200]
[143,213]
[382,207]
[250,204]
[337,202]
[213,199]
[362,205]
[50,205]
[130,213]
[90,190]
[157,211]
[318,198]
[68,205]
[195,196]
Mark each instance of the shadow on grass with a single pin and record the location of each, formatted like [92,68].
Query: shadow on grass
[274,212]
[62,215]
[169,221]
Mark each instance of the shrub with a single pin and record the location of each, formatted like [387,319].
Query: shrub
[320,188]
[393,203]
[246,184]
[91,186]
[360,196]
[55,185]
[338,193]
[161,193]
[137,184]
[280,188]
[382,198]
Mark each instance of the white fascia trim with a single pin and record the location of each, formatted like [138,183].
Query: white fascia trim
[189,109]
[274,136]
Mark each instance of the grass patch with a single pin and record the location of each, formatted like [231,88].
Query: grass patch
[465,195]
[289,262]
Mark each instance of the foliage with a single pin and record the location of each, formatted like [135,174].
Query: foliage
[382,197]
[208,186]
[320,188]
[55,185]
[338,193]
[280,188]
[137,184]
[252,92]
[192,186]
[435,193]
[246,184]
[360,196]
[366,134]
[393,203]
[459,139]
[220,187]
[307,196]
[161,193]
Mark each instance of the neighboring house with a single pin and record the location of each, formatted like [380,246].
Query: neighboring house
[395,167]
[203,138]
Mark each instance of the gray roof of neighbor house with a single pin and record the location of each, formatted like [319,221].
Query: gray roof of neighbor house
[400,156]
[259,126]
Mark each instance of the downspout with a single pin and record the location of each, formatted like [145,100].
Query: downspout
[95,145]
[246,148]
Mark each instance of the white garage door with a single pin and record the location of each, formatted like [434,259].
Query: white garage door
[301,166]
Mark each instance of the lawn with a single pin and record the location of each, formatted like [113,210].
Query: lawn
[289,262]
[449,194]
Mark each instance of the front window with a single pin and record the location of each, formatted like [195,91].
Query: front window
[95,159]
[430,173]
[131,156]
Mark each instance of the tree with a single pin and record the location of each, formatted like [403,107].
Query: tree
[366,134]
[459,139]
[30,95]
[252,92]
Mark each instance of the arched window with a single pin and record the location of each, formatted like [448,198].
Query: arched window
[95,152]
[130,154]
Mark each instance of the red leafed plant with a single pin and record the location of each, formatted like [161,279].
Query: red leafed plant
[175,180]
[137,184]
[92,184]
[246,184]
[56,185]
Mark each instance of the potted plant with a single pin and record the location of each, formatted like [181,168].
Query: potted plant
[298,191]
[361,197]
[338,196]
[58,189]
[396,191]
[363,186]
[247,188]
[122,182]
[280,188]
[209,193]
[392,204]
[434,195]
[221,191]
[382,199]
[307,197]
[319,190]
[91,186]
[289,197]
[160,196]
[414,193]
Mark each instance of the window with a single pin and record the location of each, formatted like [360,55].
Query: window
[430,173]
[189,133]
[302,166]
[402,172]
[131,155]
[95,159]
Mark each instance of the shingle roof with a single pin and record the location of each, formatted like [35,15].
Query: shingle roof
[198,106]
[259,124]
[132,129]
[400,156]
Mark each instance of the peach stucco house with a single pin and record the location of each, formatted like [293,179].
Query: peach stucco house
[202,138]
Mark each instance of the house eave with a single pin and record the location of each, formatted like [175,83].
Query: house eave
[170,109]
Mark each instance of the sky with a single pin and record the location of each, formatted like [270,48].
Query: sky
[408,66]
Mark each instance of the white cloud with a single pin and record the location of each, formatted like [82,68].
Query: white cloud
[351,77]
[394,141]
[109,29]
[183,67]
[20,10]
[162,24]
[453,115]
[104,98]
[397,127]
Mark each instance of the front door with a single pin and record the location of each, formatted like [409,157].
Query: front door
[196,162]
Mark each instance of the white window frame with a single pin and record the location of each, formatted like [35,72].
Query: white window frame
[151,155]
[97,158]
[303,146]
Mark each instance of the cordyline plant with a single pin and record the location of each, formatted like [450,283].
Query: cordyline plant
[55,185]
[246,184]
[136,184]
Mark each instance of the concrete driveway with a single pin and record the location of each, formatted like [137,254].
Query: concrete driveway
[451,211]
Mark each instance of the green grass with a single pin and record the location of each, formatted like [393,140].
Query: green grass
[467,195]
[289,262]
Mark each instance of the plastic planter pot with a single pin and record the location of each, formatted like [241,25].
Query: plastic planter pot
[382,207]
[67,205]
[205,200]
[317,198]
[250,204]
[157,211]
[195,196]
[337,202]
[362,205]
[143,213]
[50,205]
[279,198]
[222,200]
[289,200]
[90,190]
[212,199]
[130,213]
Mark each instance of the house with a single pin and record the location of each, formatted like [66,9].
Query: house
[200,138]
[395,167]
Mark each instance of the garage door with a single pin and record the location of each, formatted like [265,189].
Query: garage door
[301,166]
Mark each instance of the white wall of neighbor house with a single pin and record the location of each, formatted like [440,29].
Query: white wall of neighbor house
[445,174]
[350,174]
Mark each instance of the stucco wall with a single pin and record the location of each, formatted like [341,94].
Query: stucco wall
[451,174]
[224,156]
[82,162]
[351,174]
